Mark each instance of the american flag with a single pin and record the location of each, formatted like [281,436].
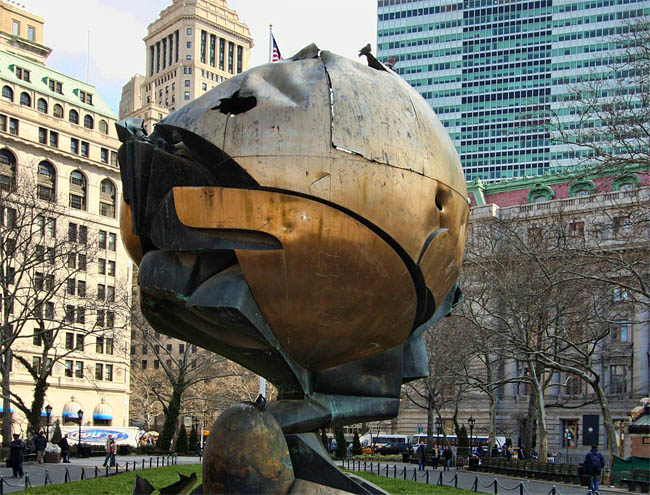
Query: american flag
[276,55]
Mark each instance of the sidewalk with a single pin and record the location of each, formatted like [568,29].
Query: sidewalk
[56,472]
[485,483]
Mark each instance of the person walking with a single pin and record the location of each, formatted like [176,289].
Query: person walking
[17,455]
[422,455]
[65,448]
[447,455]
[436,457]
[110,451]
[495,451]
[592,467]
[40,442]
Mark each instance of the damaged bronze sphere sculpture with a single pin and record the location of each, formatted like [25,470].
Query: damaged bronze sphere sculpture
[305,219]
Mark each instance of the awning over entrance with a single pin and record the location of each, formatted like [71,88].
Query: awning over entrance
[103,412]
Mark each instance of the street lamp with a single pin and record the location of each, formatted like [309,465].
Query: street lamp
[80,415]
[48,413]
[471,422]
[439,430]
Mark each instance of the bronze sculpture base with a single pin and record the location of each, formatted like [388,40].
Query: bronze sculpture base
[247,452]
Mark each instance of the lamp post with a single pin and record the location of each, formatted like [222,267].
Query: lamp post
[80,415]
[471,422]
[48,413]
[439,430]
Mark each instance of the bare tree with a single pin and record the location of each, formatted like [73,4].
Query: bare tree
[443,388]
[176,371]
[42,285]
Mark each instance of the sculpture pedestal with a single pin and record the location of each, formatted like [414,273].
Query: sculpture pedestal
[247,452]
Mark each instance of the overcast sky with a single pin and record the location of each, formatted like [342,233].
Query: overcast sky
[118,26]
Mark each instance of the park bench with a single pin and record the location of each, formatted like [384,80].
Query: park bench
[639,478]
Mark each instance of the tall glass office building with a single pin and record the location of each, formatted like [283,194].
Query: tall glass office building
[494,70]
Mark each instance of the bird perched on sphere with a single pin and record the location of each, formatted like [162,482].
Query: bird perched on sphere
[372,61]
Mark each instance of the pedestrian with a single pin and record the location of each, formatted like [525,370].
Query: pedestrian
[17,455]
[65,448]
[495,451]
[436,457]
[592,467]
[447,455]
[422,455]
[110,448]
[40,442]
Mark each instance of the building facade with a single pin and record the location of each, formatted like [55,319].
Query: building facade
[496,70]
[193,46]
[597,212]
[58,137]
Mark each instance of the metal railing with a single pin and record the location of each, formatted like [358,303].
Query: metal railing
[431,477]
[104,471]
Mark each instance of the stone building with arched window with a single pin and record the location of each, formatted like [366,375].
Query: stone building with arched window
[57,136]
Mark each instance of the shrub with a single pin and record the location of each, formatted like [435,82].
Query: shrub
[463,441]
[341,446]
[181,440]
[56,433]
[356,445]
[193,445]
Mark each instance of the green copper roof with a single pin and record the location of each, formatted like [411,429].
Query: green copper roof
[39,81]
[547,179]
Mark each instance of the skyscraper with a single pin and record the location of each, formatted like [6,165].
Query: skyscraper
[192,46]
[495,70]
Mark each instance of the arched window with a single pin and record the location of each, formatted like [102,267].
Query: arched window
[89,123]
[58,111]
[73,116]
[46,181]
[7,170]
[107,199]
[25,99]
[77,190]
[8,93]
[103,127]
[41,106]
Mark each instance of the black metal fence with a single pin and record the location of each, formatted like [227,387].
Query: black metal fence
[431,477]
[95,472]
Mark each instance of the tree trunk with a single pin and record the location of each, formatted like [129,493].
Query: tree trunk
[542,434]
[529,431]
[607,419]
[171,419]
[492,422]
[6,404]
[34,416]
[429,421]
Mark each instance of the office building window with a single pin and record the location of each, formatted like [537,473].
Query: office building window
[99,371]
[77,190]
[25,99]
[89,122]
[569,432]
[68,368]
[54,139]
[79,369]
[240,57]
[15,28]
[8,93]
[618,380]
[74,146]
[56,87]
[85,149]
[231,48]
[107,199]
[42,135]
[31,33]
[73,116]
[41,105]
[57,111]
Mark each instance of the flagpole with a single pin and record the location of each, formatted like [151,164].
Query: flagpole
[270,42]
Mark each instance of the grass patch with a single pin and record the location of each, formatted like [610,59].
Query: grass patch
[120,484]
[397,487]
